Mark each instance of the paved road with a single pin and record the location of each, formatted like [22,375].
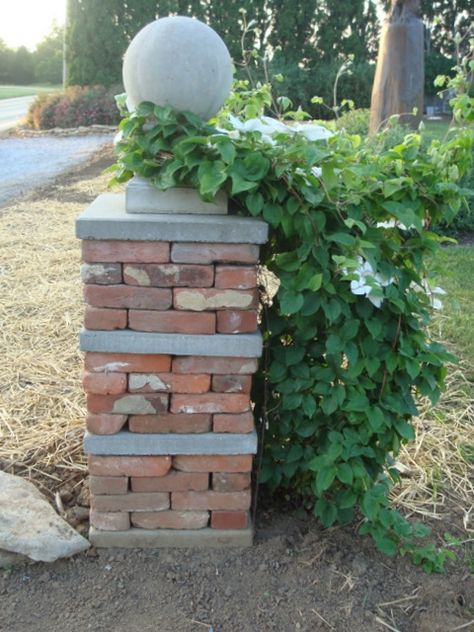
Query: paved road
[13,110]
[26,163]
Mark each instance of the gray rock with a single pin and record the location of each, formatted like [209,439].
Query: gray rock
[30,526]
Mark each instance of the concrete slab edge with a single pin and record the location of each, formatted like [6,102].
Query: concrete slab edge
[126,443]
[107,219]
[171,538]
[215,345]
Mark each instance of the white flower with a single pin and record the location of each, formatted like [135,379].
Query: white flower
[393,223]
[431,292]
[367,281]
[269,126]
[312,131]
[317,171]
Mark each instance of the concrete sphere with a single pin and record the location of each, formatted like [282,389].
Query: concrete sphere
[180,62]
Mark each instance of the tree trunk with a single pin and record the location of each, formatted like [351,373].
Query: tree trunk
[400,74]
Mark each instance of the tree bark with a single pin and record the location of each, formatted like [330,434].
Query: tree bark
[400,74]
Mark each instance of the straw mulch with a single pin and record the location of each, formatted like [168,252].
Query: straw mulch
[42,405]
[41,402]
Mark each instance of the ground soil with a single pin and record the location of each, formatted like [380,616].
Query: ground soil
[297,576]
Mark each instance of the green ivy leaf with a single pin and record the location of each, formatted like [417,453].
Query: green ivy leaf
[290,302]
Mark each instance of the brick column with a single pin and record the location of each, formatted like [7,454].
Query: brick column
[171,343]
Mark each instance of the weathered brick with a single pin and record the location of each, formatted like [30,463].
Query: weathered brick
[110,521]
[202,299]
[101,273]
[131,501]
[129,465]
[108,484]
[170,423]
[242,423]
[215,463]
[127,296]
[211,500]
[168,382]
[169,275]
[229,519]
[236,277]
[172,321]
[140,404]
[105,424]
[219,366]
[231,383]
[209,253]
[104,383]
[171,520]
[230,482]
[172,482]
[237,322]
[99,318]
[125,251]
[209,403]
[127,362]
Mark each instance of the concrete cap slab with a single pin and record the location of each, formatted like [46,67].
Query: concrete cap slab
[106,218]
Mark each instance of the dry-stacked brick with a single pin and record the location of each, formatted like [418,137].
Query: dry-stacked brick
[200,298]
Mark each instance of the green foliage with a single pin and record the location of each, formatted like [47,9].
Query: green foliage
[88,105]
[347,346]
[48,58]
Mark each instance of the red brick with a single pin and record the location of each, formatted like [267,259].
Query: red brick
[170,423]
[101,273]
[204,463]
[230,482]
[172,321]
[105,424]
[172,482]
[126,251]
[220,366]
[237,322]
[202,299]
[231,383]
[237,277]
[209,403]
[229,519]
[104,319]
[104,383]
[171,520]
[127,296]
[168,382]
[128,404]
[129,465]
[233,423]
[108,484]
[169,275]
[208,253]
[110,521]
[210,500]
[127,362]
[131,502]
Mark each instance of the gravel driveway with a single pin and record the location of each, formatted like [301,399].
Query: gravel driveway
[26,163]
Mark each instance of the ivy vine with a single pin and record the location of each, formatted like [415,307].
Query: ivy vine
[347,341]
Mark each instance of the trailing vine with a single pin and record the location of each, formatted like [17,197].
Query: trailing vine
[347,342]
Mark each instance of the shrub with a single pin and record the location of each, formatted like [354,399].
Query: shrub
[77,106]
[355,121]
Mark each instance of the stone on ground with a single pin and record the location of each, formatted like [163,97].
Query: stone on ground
[29,526]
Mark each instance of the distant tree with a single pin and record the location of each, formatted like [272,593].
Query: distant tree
[48,57]
[23,70]
[399,77]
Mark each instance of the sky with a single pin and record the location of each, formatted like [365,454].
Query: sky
[26,22]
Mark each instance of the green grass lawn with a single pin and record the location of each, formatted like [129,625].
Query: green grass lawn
[9,92]
[435,129]
[454,272]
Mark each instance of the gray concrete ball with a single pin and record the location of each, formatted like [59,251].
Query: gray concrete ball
[180,62]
